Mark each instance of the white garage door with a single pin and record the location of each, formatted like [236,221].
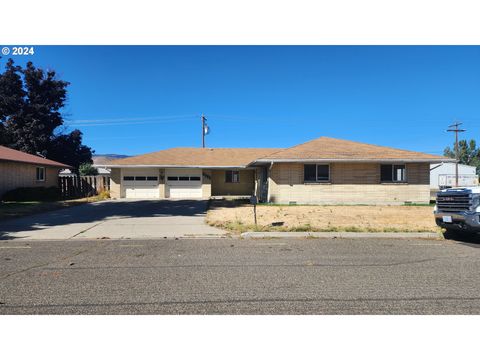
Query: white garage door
[184,183]
[141,184]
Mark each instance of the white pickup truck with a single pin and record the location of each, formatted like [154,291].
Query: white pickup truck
[458,210]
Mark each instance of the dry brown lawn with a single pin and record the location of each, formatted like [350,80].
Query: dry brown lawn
[324,218]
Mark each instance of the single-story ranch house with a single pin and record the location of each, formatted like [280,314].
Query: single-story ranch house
[19,169]
[321,171]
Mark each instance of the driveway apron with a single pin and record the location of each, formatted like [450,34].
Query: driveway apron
[115,219]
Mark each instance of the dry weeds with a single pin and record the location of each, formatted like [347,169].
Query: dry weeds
[325,218]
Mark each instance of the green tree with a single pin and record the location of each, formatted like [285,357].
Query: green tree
[468,153]
[87,169]
[30,119]
[68,149]
[12,98]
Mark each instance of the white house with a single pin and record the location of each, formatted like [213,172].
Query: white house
[443,175]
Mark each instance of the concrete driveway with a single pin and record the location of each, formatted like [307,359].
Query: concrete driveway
[115,219]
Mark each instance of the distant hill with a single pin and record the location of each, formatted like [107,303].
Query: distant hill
[106,158]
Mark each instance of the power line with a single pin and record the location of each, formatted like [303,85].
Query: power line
[149,118]
[124,123]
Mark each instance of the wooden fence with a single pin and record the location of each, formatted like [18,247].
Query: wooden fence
[74,186]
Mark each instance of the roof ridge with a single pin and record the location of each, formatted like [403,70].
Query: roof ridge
[291,147]
[380,146]
[354,142]
[329,147]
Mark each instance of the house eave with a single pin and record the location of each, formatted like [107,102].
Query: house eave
[113,166]
[59,165]
[363,160]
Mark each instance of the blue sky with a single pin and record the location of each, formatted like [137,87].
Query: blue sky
[136,99]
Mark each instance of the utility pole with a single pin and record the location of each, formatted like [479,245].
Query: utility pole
[456,130]
[203,131]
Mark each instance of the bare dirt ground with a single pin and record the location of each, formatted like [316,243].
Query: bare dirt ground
[323,218]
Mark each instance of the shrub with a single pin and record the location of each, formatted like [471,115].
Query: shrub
[104,194]
[33,194]
[86,169]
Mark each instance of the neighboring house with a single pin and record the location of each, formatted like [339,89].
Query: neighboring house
[101,172]
[19,169]
[321,171]
[443,175]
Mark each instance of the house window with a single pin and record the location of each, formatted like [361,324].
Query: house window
[40,174]
[128,178]
[316,173]
[393,173]
[232,176]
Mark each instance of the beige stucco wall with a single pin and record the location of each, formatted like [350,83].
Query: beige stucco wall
[246,186]
[350,183]
[15,175]
[161,183]
[206,184]
[115,181]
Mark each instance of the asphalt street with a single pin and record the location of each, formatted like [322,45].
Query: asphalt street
[234,276]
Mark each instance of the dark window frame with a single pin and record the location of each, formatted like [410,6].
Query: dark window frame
[232,179]
[43,172]
[393,178]
[317,180]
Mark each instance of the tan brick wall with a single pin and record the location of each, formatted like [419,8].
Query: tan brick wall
[246,186]
[15,175]
[352,183]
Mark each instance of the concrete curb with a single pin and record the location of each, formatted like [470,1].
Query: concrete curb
[341,235]
[47,239]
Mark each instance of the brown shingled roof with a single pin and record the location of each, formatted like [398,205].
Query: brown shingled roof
[19,156]
[342,150]
[205,157]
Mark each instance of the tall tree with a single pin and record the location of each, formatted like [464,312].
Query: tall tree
[468,153]
[12,100]
[68,149]
[30,103]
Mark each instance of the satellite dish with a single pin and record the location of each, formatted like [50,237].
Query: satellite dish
[207,130]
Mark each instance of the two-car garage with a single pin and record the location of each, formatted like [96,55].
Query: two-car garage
[152,183]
